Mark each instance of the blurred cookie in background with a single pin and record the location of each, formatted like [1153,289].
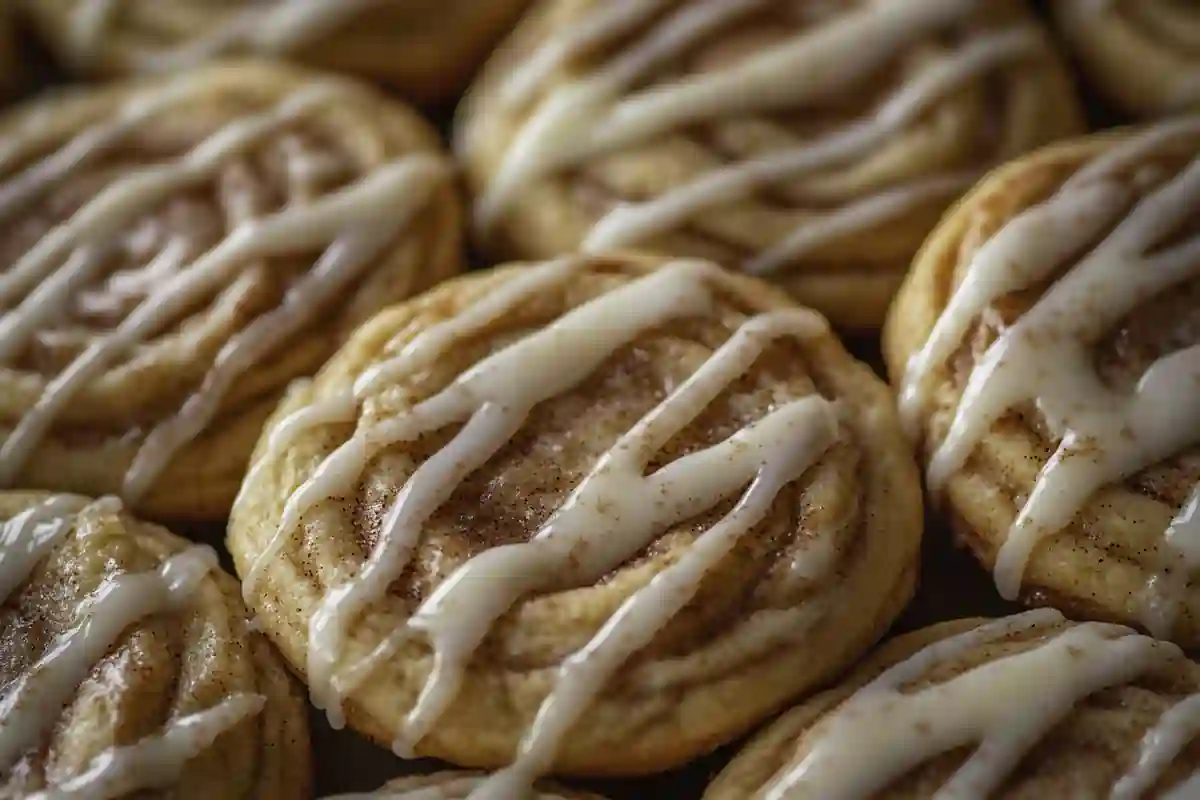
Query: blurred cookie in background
[425,50]
[1143,56]
[814,144]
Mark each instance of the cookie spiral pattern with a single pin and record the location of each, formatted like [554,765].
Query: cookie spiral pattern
[1027,706]
[811,143]
[127,666]
[427,50]
[1047,352]
[1141,55]
[174,252]
[591,516]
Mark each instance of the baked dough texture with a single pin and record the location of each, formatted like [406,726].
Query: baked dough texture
[175,251]
[1046,348]
[1090,746]
[427,51]
[1143,56]
[121,676]
[814,144]
[817,574]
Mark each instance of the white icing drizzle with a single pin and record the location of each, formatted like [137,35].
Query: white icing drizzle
[556,136]
[30,704]
[1169,24]
[605,23]
[418,354]
[865,214]
[1105,434]
[633,223]
[582,540]
[25,187]
[155,762]
[30,535]
[1188,790]
[352,224]
[1004,707]
[1162,744]
[808,427]
[338,410]
[273,28]
[1179,558]
[407,186]
[603,112]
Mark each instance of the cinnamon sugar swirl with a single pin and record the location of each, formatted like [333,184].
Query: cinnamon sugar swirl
[427,50]
[1047,351]
[1141,55]
[1026,706]
[811,143]
[127,667]
[590,516]
[173,253]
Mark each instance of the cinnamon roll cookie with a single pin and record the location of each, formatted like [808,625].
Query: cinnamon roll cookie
[1141,55]
[811,143]
[1027,706]
[453,786]
[586,517]
[127,667]
[1047,351]
[173,253]
[427,50]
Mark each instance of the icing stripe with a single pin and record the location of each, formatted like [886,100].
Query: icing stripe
[608,110]
[615,511]
[1179,557]
[1187,790]
[29,536]
[633,223]
[810,428]
[344,262]
[588,117]
[158,761]
[30,705]
[1160,746]
[613,514]
[1002,707]
[592,31]
[493,399]
[353,225]
[138,192]
[1043,358]
[863,215]
[269,28]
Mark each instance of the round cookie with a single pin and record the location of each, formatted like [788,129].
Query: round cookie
[174,252]
[1026,706]
[129,667]
[1046,348]
[1143,56]
[811,143]
[590,516]
[426,51]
